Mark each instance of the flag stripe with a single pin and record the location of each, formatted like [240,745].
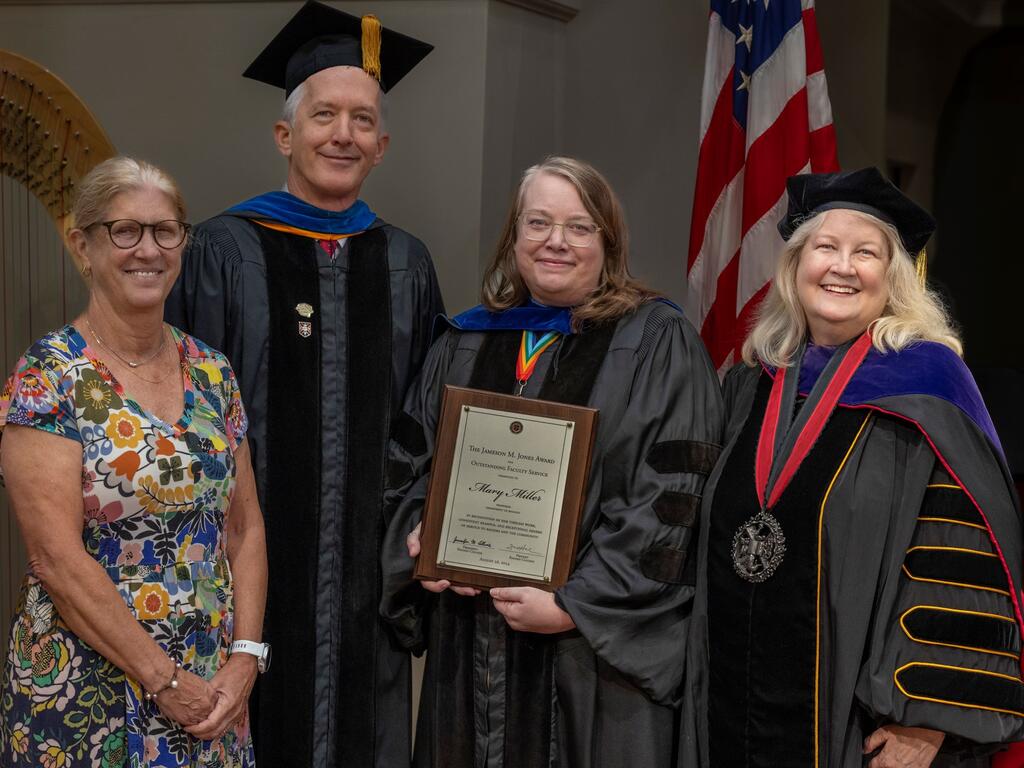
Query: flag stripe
[723,232]
[819,110]
[765,115]
[759,251]
[717,70]
[776,155]
[748,314]
[823,150]
[720,159]
[815,60]
[719,327]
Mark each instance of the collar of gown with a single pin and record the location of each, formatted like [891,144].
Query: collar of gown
[531,316]
[924,368]
[285,208]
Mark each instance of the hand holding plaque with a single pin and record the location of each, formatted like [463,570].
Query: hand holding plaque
[506,490]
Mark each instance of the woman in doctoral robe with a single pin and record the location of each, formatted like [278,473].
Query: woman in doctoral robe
[860,548]
[587,675]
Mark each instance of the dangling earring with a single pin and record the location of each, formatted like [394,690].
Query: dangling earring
[87,271]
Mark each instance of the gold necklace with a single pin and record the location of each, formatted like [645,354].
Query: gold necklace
[159,380]
[130,363]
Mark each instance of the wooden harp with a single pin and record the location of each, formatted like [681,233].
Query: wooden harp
[48,141]
[48,137]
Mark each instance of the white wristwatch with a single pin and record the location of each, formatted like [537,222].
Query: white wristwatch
[260,650]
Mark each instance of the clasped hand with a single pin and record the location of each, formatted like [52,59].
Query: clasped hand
[526,609]
[207,709]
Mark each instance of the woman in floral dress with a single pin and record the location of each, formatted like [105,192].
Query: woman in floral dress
[126,465]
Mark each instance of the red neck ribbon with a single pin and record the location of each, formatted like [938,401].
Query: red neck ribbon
[811,429]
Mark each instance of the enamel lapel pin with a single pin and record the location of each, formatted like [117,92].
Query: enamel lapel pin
[305,326]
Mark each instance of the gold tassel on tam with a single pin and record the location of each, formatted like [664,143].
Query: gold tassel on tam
[371,46]
[921,264]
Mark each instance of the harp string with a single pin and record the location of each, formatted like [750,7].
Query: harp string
[5,203]
[26,125]
[48,140]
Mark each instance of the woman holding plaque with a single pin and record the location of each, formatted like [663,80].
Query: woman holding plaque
[859,536]
[586,675]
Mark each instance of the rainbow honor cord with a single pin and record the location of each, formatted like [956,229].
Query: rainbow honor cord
[530,350]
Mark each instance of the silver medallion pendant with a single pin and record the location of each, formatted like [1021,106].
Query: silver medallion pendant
[758,548]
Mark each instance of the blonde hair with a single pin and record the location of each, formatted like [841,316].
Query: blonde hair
[618,293]
[109,179]
[912,311]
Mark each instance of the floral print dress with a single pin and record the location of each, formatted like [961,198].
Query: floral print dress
[155,498]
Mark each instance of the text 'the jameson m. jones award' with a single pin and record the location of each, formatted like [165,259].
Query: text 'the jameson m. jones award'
[506,492]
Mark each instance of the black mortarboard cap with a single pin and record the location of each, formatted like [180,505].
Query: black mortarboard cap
[866,190]
[319,37]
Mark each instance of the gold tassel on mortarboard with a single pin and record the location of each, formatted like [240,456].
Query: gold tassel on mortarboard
[921,264]
[371,46]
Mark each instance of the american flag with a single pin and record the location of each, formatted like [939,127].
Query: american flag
[765,116]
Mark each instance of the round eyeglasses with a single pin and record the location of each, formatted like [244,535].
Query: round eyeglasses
[578,233]
[127,233]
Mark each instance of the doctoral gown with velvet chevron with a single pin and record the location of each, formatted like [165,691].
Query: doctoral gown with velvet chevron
[897,599]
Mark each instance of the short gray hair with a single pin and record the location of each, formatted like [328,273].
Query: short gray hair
[291,106]
[291,103]
[383,124]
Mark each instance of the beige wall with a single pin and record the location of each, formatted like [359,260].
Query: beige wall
[525,108]
[632,107]
[633,89]
[619,85]
[855,41]
[164,81]
[504,87]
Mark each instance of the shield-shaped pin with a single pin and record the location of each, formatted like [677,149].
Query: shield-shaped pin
[305,329]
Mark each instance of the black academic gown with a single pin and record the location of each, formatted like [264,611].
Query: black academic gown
[601,695]
[320,410]
[892,603]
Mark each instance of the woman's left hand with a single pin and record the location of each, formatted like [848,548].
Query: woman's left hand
[528,609]
[903,747]
[233,682]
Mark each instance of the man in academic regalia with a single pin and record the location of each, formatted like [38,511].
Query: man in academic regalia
[325,311]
